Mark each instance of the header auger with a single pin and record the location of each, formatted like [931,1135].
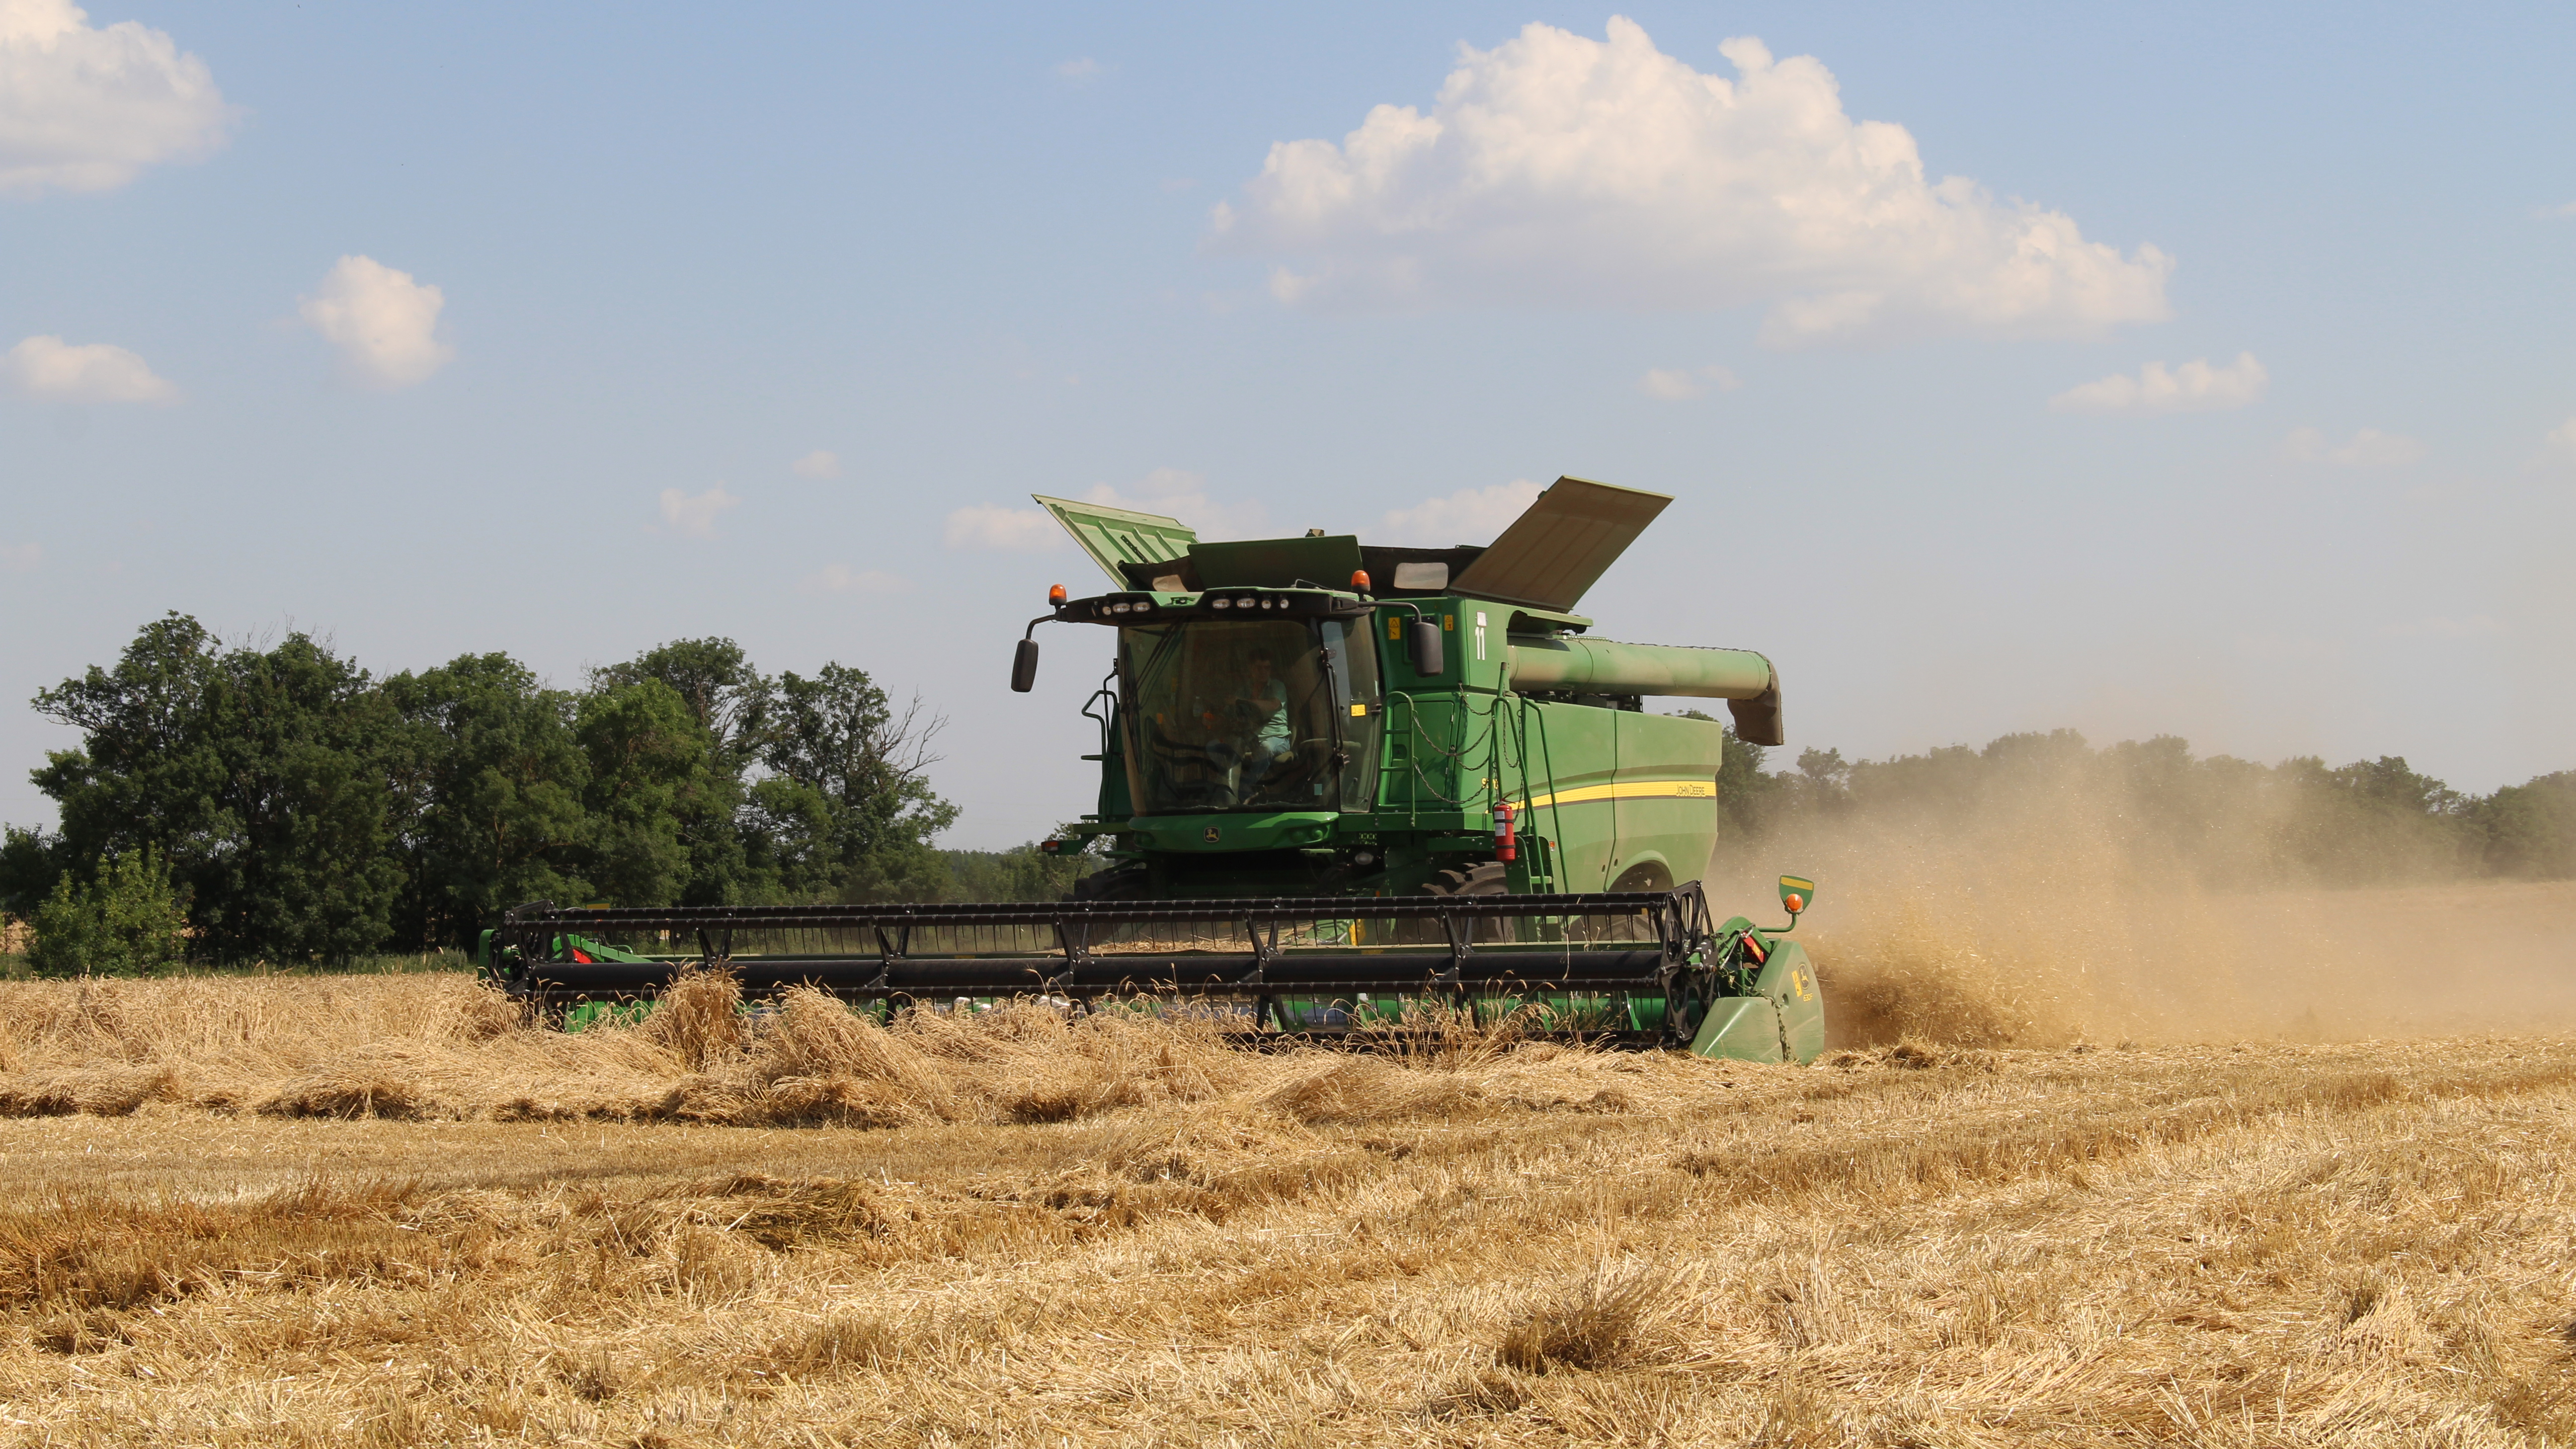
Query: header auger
[1336,780]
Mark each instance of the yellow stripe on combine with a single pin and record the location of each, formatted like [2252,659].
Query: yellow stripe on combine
[1629,790]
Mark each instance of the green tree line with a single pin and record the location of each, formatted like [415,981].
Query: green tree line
[282,804]
[2234,822]
[291,807]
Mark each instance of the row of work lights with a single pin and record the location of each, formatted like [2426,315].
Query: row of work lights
[1146,606]
[1114,609]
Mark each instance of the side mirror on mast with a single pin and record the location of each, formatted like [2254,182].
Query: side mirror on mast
[1422,647]
[1024,664]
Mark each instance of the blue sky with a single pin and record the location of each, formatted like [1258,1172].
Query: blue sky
[972,253]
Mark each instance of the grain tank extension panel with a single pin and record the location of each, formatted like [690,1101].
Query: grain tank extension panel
[1556,551]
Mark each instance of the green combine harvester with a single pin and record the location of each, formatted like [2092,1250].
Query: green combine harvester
[1339,783]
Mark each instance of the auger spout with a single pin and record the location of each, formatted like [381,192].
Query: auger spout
[1602,666]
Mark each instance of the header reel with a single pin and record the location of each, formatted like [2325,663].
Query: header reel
[1639,969]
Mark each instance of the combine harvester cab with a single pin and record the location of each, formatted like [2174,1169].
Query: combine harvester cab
[1339,783]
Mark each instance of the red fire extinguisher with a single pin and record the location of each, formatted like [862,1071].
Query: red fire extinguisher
[1506,844]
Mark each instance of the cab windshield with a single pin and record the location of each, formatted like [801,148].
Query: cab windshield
[1252,714]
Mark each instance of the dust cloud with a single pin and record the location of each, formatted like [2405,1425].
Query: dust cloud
[2050,914]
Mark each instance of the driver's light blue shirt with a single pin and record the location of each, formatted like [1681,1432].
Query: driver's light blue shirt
[1274,724]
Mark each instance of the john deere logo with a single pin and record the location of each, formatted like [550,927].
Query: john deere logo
[1209,835]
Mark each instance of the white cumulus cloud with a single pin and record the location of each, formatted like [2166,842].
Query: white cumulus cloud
[50,368]
[842,579]
[2368,448]
[695,513]
[84,108]
[1080,68]
[1010,530]
[817,464]
[2562,441]
[1470,515]
[384,323]
[1170,492]
[1182,494]
[1676,384]
[2448,627]
[2194,387]
[1560,170]
[2371,448]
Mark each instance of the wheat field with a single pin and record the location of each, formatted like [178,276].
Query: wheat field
[383,1211]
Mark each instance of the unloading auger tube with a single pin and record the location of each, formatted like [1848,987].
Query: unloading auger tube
[1644,969]
[1741,677]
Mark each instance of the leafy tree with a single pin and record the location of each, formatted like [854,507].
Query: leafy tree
[301,733]
[2217,818]
[650,777]
[488,784]
[257,775]
[730,701]
[2370,820]
[127,921]
[309,812]
[29,866]
[714,677]
[848,807]
[149,772]
[1022,873]
[1947,778]
[1824,771]
[2530,829]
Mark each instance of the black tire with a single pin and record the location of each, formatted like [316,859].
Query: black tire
[1485,878]
[1643,876]
[1119,883]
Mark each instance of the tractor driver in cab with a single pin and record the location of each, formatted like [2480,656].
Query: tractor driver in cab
[1258,720]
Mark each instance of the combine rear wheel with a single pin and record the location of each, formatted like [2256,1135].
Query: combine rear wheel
[1482,879]
[1645,875]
